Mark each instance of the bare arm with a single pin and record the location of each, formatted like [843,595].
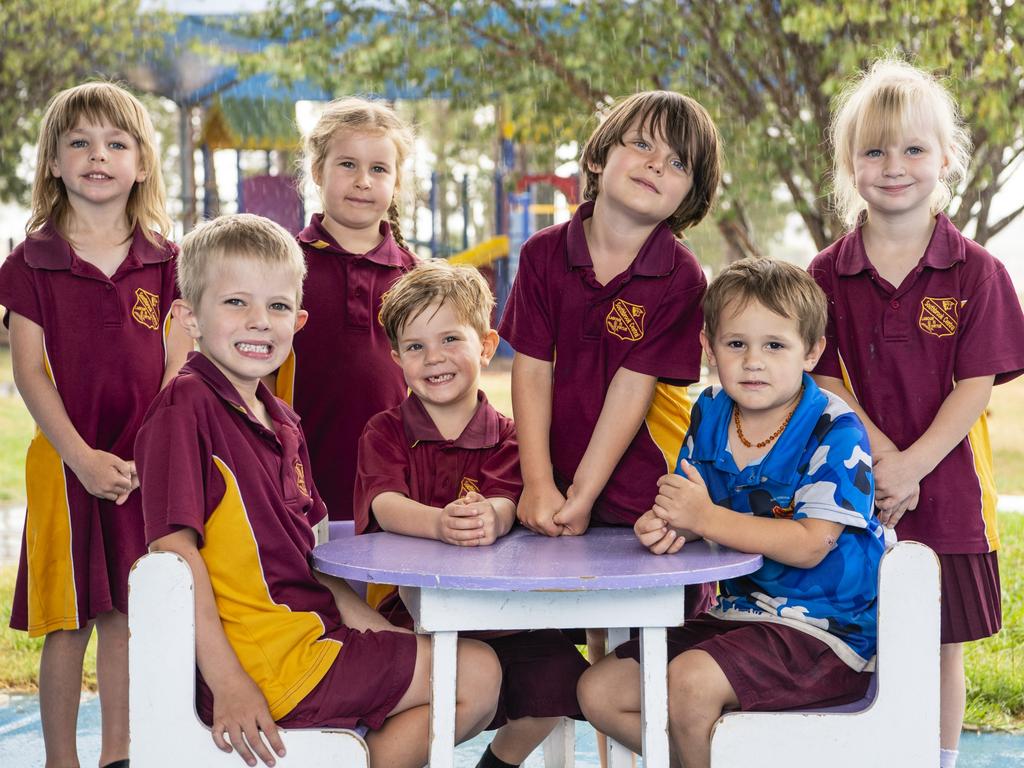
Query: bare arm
[240,709]
[896,472]
[355,613]
[625,406]
[179,344]
[470,521]
[103,474]
[532,385]
[683,502]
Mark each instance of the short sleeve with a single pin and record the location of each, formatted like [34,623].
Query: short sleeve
[382,465]
[686,449]
[18,289]
[670,347]
[500,472]
[828,363]
[991,334]
[527,322]
[837,483]
[174,472]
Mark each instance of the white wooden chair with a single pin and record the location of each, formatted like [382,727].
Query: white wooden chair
[165,730]
[897,726]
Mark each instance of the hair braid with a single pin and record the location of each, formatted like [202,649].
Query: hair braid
[396,227]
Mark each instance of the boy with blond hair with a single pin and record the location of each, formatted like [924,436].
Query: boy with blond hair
[771,464]
[445,465]
[226,485]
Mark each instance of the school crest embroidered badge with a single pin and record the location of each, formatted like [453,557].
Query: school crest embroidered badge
[468,485]
[625,321]
[147,309]
[939,317]
[300,478]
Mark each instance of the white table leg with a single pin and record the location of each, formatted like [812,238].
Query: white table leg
[618,755]
[442,699]
[654,690]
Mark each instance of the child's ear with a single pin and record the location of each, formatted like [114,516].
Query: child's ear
[814,354]
[489,345]
[300,319]
[705,342]
[184,314]
[395,356]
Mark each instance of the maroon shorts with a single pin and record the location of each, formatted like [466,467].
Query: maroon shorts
[540,670]
[971,606]
[372,672]
[771,667]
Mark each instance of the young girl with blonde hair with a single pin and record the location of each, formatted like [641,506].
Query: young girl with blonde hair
[340,372]
[88,297]
[922,323]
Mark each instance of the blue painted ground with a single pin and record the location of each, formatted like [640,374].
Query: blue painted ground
[21,741]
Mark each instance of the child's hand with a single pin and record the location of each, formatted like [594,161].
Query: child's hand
[537,508]
[105,476]
[574,515]
[242,720]
[461,524]
[682,501]
[657,535]
[890,512]
[487,516]
[897,484]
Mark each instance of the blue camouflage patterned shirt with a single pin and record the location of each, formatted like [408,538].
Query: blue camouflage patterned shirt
[819,468]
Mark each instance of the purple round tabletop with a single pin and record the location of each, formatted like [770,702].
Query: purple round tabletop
[603,558]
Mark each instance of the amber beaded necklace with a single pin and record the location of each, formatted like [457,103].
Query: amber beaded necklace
[773,436]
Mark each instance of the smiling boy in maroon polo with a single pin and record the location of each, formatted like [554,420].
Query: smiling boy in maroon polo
[445,465]
[226,485]
[605,320]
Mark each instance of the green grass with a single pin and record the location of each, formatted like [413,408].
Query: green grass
[19,654]
[995,665]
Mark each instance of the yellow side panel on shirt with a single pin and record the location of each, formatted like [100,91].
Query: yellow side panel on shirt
[280,649]
[286,380]
[376,593]
[667,420]
[52,595]
[982,450]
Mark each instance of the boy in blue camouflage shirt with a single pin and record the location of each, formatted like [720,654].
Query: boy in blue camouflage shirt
[774,465]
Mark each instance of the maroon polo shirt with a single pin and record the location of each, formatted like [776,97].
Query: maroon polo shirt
[903,348]
[402,451]
[340,372]
[647,319]
[206,463]
[104,337]
[104,344]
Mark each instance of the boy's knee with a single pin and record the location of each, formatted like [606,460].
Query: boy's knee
[695,689]
[596,689]
[478,666]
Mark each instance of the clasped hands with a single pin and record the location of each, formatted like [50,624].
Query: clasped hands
[469,521]
[680,506]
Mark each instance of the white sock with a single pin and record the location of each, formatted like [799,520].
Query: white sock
[947,758]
